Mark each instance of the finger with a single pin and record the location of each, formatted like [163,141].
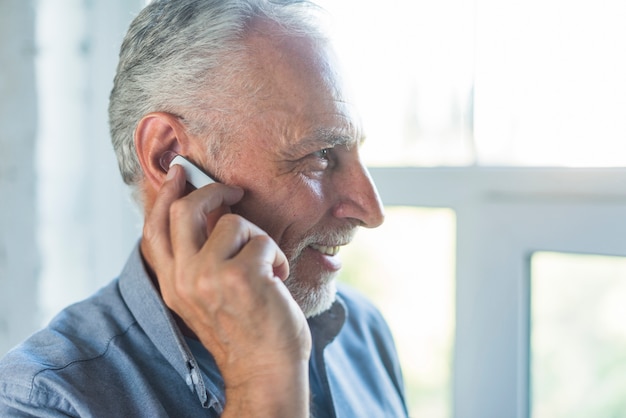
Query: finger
[156,232]
[263,254]
[189,216]
[281,267]
[230,234]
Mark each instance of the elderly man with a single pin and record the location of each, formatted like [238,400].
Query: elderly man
[228,307]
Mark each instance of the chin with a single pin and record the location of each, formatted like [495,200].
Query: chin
[313,298]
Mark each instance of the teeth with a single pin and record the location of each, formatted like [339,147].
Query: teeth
[326,250]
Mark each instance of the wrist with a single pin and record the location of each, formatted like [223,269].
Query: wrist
[277,392]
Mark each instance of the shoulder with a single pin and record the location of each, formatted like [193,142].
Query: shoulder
[365,323]
[79,332]
[365,350]
[359,308]
[78,336]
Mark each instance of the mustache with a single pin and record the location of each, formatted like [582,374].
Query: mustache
[337,236]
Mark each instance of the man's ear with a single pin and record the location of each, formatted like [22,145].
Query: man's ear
[158,135]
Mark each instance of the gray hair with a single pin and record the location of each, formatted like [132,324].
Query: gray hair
[185,57]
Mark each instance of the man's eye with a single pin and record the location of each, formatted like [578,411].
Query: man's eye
[323,154]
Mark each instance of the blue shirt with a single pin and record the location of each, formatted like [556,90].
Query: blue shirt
[121,354]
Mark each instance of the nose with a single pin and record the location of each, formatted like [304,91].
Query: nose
[359,198]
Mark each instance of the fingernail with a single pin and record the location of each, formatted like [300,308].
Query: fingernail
[171,173]
[237,191]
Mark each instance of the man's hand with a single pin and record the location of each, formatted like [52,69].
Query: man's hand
[223,276]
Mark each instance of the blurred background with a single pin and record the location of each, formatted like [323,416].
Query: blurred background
[497,138]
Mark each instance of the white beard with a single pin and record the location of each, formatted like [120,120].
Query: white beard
[312,300]
[315,297]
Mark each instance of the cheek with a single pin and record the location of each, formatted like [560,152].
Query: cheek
[285,211]
[297,207]
[304,200]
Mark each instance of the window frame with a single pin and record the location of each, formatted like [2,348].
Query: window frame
[503,216]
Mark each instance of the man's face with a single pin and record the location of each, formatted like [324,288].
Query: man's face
[297,158]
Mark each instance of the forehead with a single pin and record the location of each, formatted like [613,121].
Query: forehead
[298,84]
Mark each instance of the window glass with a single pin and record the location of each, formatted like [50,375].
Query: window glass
[407,269]
[410,65]
[487,82]
[578,338]
[549,82]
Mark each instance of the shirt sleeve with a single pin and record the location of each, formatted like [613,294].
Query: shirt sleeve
[14,407]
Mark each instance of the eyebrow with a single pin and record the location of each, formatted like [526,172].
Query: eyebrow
[332,137]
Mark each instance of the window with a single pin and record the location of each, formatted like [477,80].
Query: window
[407,269]
[495,132]
[510,116]
[578,338]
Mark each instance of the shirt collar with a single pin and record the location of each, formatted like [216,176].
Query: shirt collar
[326,326]
[147,306]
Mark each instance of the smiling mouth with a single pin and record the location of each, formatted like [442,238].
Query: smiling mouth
[327,250]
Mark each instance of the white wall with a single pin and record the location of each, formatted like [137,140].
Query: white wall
[69,223]
[19,256]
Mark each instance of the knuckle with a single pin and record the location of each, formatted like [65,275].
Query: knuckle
[262,240]
[236,273]
[181,289]
[231,221]
[149,233]
[263,245]
[179,208]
